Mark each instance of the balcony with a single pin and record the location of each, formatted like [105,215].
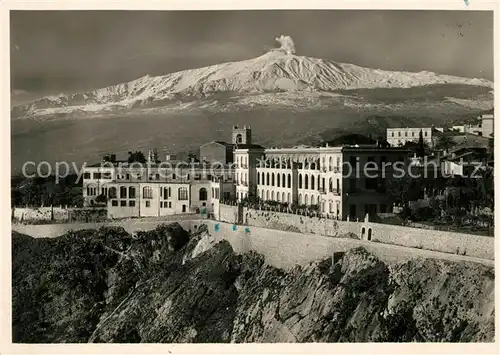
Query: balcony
[336,192]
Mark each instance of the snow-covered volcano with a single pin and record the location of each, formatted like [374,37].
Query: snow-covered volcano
[276,71]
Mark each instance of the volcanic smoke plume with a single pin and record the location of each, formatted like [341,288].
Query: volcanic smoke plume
[286,44]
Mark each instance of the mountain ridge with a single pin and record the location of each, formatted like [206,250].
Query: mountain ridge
[274,71]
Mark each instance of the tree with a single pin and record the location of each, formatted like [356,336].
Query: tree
[445,142]
[136,156]
[404,189]
[421,147]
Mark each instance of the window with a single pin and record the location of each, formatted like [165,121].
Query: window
[267,179]
[114,203]
[112,192]
[203,194]
[406,134]
[352,185]
[97,175]
[399,135]
[131,203]
[123,203]
[306,199]
[169,204]
[371,183]
[147,192]
[278,180]
[148,203]
[283,180]
[182,193]
[352,211]
[165,191]
[413,134]
[425,134]
[173,176]
[289,181]
[106,175]
[306,182]
[312,182]
[258,179]
[227,195]
[131,192]
[86,175]
[393,136]
[300,181]
[123,192]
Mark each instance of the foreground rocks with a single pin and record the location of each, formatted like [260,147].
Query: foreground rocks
[168,286]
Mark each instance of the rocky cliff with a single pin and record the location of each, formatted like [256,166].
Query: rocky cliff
[169,285]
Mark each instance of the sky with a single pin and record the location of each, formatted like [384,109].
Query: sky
[56,52]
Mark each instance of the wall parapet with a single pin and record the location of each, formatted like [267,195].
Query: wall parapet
[435,240]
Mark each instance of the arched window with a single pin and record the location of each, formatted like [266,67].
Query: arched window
[283,197]
[289,198]
[338,162]
[338,185]
[267,179]
[278,196]
[363,233]
[112,192]
[331,185]
[313,200]
[213,191]
[263,179]
[289,181]
[272,195]
[306,182]
[330,163]
[267,195]
[258,179]
[313,166]
[272,179]
[239,138]
[331,207]
[283,180]
[131,192]
[262,194]
[278,180]
[300,199]
[203,194]
[306,199]
[300,181]
[312,182]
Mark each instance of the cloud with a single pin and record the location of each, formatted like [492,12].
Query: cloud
[287,44]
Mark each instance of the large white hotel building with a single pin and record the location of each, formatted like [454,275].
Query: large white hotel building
[235,171]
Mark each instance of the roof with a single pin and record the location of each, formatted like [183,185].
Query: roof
[227,145]
[248,146]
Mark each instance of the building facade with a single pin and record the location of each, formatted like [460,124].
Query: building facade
[331,178]
[397,137]
[335,180]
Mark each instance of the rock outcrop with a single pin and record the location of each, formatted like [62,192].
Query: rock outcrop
[168,285]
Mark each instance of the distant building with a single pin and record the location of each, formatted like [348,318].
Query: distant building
[398,137]
[484,126]
[217,151]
